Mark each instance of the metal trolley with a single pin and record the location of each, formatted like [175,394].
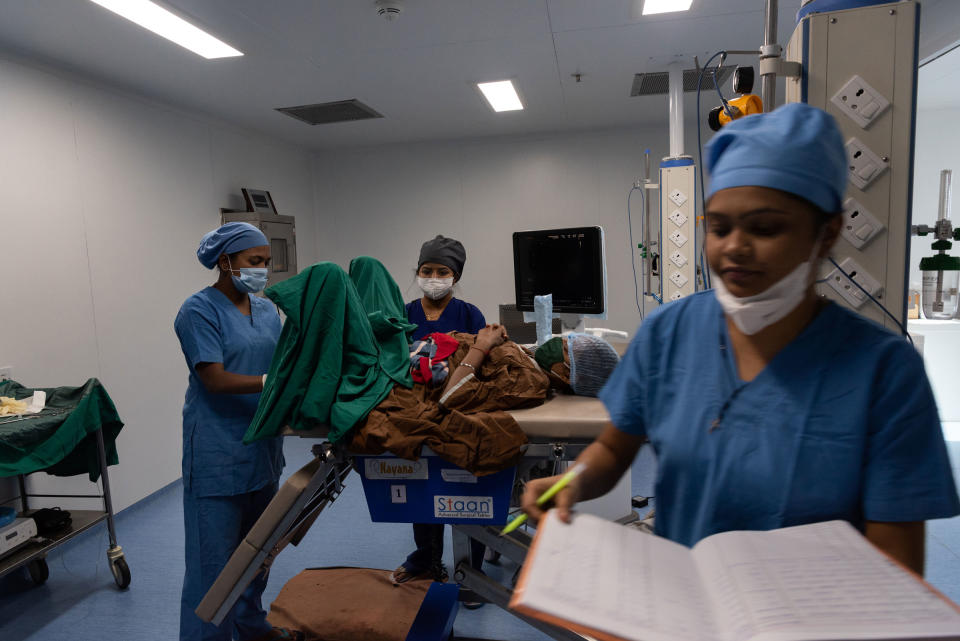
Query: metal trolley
[33,555]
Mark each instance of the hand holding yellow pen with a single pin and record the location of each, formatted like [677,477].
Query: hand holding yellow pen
[546,496]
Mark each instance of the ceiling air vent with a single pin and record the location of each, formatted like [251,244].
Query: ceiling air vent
[650,84]
[327,112]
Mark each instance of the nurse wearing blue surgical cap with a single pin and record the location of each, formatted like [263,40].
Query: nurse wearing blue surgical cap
[228,337]
[768,406]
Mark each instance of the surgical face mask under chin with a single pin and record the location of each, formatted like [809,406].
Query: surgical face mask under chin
[251,279]
[753,313]
[435,288]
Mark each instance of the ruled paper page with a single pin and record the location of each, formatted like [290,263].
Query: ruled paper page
[618,580]
[816,582]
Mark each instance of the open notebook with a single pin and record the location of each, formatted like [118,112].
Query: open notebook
[818,582]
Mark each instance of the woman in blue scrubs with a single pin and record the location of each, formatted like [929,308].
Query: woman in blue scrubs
[228,337]
[438,311]
[768,406]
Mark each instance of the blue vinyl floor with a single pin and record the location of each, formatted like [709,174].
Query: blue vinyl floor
[80,602]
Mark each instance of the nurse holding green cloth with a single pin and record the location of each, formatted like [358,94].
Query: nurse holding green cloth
[228,337]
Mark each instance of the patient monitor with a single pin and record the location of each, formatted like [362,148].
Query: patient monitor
[567,263]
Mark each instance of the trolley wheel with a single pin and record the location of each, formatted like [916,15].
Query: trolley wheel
[39,571]
[121,573]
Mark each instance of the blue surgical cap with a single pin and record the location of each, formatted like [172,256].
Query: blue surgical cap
[795,148]
[228,239]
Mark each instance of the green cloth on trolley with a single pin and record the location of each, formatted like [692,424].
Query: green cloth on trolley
[329,368]
[387,313]
[61,440]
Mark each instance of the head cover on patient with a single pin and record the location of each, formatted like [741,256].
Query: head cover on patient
[444,251]
[591,361]
[795,148]
[228,239]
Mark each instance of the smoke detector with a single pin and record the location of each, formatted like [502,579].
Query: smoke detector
[389,9]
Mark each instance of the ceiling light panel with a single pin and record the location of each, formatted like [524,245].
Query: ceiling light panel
[501,95]
[155,18]
[651,7]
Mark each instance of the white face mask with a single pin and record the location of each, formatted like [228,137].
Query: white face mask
[435,288]
[753,313]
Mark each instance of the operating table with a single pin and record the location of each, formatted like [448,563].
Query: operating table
[557,431]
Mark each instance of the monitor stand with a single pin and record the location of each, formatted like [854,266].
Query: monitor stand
[570,323]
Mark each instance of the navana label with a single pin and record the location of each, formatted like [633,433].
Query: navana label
[394,468]
[463,507]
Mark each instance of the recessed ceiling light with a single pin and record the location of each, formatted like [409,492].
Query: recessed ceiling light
[172,27]
[501,95]
[651,7]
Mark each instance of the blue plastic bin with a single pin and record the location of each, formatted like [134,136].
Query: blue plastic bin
[432,490]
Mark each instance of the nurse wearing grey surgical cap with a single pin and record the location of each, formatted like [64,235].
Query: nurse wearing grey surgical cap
[768,406]
[439,268]
[228,337]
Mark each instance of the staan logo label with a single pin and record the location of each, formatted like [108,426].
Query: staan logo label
[463,507]
[395,468]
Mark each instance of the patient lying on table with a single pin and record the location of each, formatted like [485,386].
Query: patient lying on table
[344,361]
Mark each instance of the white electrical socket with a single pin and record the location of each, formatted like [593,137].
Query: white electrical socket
[678,218]
[678,197]
[678,239]
[676,296]
[678,259]
[860,102]
[679,279]
[864,165]
[847,290]
[6,373]
[859,225]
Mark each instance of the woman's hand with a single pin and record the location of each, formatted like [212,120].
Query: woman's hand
[491,336]
[563,501]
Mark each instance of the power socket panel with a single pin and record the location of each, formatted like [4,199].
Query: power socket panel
[678,259]
[859,225]
[865,166]
[678,197]
[847,290]
[678,239]
[676,296]
[678,218]
[860,102]
[679,279]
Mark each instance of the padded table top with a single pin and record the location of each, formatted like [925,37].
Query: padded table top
[562,417]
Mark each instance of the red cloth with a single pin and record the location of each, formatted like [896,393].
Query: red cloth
[446,346]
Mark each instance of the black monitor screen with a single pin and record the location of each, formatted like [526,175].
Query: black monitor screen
[567,263]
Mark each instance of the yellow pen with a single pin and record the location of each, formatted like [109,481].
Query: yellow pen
[546,496]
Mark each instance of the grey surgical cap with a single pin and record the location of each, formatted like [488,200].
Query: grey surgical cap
[444,251]
[592,361]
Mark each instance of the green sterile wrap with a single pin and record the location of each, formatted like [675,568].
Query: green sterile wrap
[60,440]
[329,367]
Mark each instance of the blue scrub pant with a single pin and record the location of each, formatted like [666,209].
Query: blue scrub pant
[214,526]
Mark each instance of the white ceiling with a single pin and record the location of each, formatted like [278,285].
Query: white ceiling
[419,71]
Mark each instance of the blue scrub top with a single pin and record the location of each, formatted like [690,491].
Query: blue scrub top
[457,316]
[212,330]
[841,424]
